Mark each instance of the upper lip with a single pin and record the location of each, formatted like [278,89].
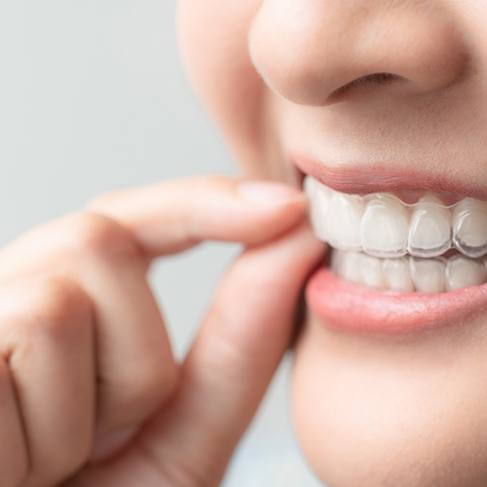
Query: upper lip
[364,179]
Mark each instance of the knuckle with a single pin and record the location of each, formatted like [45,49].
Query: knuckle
[51,305]
[100,235]
[59,300]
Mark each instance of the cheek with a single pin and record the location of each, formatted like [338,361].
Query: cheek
[406,414]
[213,38]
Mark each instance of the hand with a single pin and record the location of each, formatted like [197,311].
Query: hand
[90,393]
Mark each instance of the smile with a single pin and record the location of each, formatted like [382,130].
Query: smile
[382,242]
[396,265]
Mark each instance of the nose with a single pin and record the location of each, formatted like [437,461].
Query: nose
[310,50]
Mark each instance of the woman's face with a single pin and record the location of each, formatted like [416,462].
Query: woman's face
[371,96]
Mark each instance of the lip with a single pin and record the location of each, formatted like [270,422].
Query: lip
[372,178]
[351,307]
[356,308]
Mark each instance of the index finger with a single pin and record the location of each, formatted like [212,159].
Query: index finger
[172,216]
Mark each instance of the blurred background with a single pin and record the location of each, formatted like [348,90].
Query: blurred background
[93,98]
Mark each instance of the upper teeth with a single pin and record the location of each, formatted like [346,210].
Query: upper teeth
[381,225]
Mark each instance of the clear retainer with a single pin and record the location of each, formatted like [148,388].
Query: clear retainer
[410,274]
[381,225]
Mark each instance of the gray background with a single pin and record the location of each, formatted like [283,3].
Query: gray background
[93,98]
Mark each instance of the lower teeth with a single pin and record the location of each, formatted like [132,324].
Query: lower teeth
[409,274]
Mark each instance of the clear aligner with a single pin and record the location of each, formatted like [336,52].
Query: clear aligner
[382,225]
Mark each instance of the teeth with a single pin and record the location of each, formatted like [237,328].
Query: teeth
[430,228]
[310,186]
[428,275]
[470,227]
[372,274]
[384,227]
[409,274]
[319,196]
[343,221]
[462,272]
[398,275]
[348,266]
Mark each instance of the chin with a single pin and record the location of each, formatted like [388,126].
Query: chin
[403,411]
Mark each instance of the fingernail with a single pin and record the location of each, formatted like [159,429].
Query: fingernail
[107,444]
[263,192]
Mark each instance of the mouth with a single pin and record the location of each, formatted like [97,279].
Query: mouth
[403,256]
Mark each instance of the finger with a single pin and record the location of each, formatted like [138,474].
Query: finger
[172,216]
[233,358]
[169,217]
[47,336]
[136,370]
[13,453]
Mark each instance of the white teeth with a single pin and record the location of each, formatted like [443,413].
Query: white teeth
[343,221]
[319,196]
[310,186]
[409,274]
[470,227]
[462,272]
[429,229]
[384,227]
[348,265]
[381,225]
[397,275]
[428,275]
[372,274]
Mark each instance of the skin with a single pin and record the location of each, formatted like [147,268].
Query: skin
[275,76]
[90,393]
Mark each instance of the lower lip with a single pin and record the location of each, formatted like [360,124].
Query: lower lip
[354,308]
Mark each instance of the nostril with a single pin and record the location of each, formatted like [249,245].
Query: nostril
[378,79]
[314,52]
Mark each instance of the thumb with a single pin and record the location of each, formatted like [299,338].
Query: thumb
[233,358]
